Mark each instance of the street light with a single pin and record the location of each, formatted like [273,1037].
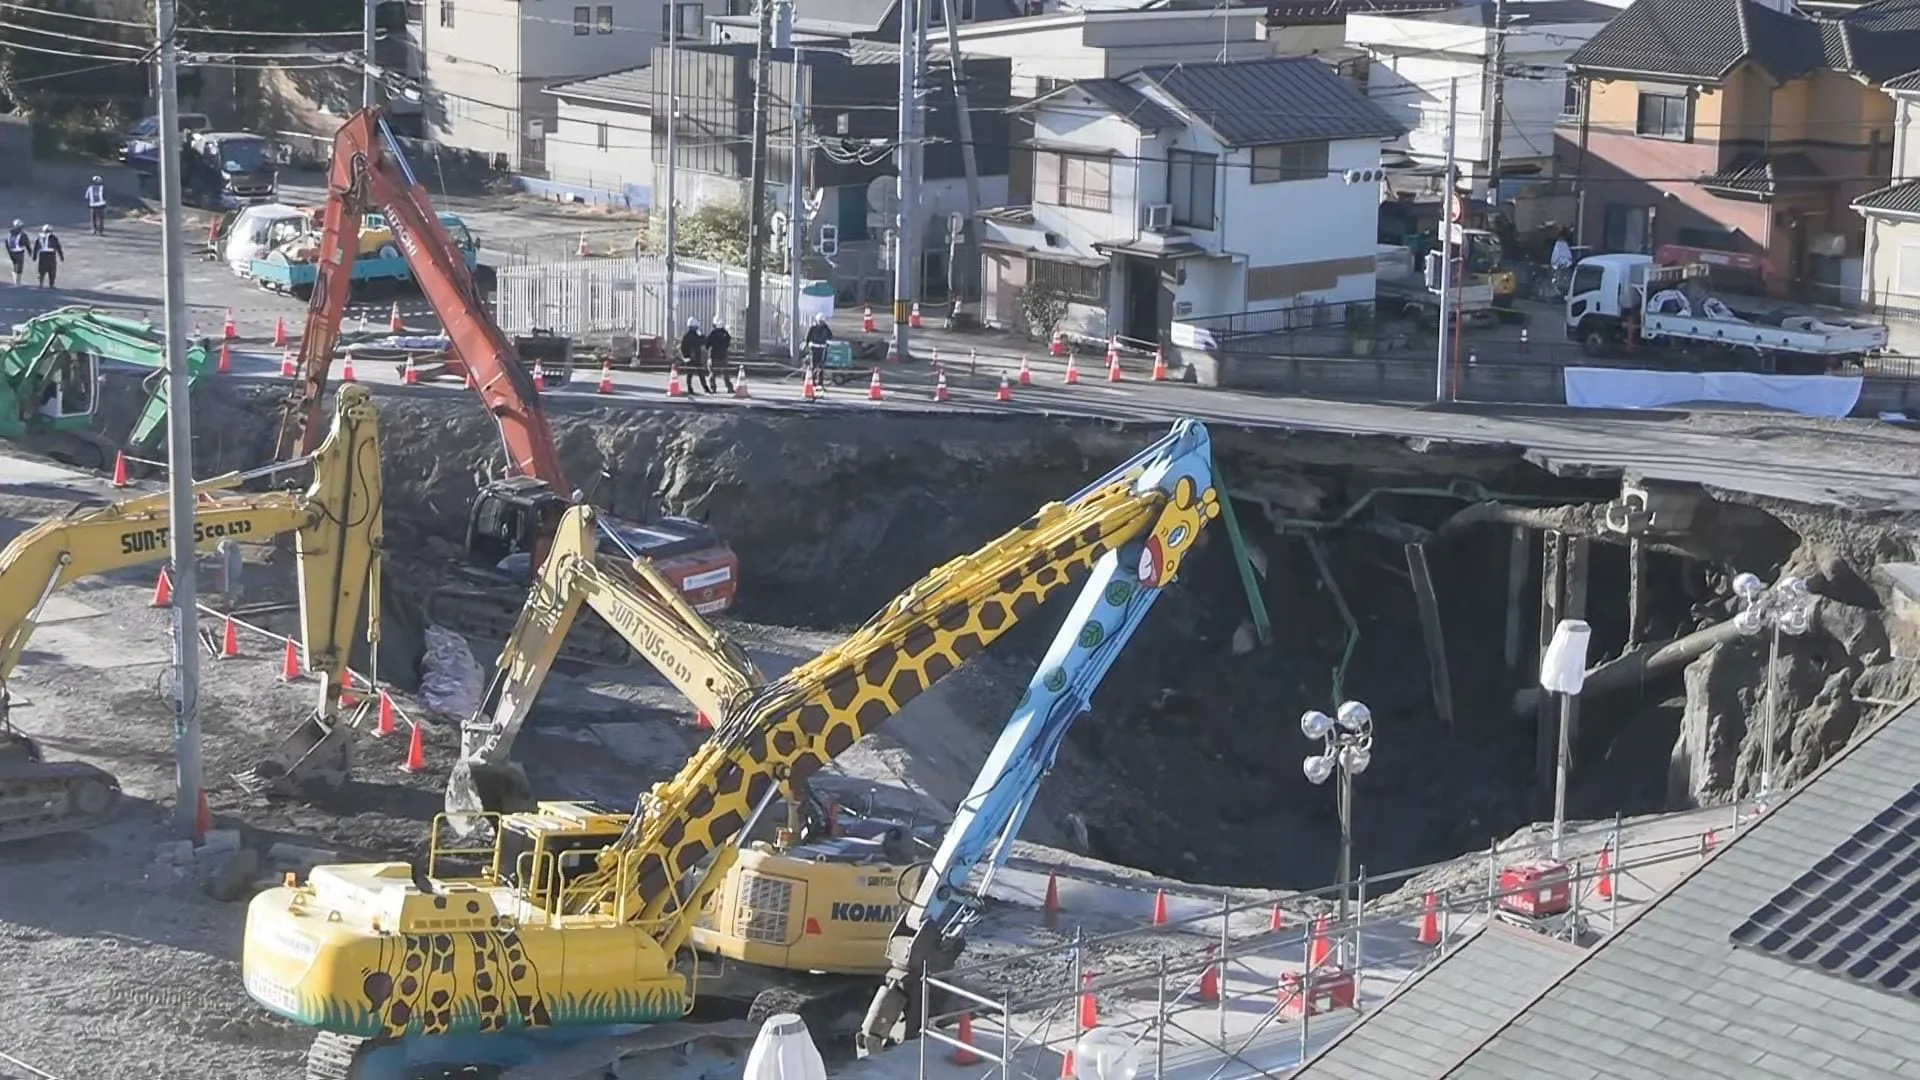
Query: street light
[1784,607]
[1346,740]
[1563,671]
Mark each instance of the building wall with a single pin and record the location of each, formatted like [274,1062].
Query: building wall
[1107,45]
[1906,139]
[574,154]
[1891,281]
[1079,228]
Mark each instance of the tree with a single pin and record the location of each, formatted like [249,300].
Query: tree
[714,232]
[55,67]
[1041,308]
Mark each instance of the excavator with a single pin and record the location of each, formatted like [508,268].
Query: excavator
[50,381]
[336,525]
[571,923]
[512,515]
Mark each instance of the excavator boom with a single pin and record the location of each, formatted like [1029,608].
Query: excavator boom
[43,361]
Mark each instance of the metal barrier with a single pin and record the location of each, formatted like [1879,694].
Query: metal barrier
[598,299]
[1038,1028]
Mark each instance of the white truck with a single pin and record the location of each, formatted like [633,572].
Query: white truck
[1404,288]
[1618,302]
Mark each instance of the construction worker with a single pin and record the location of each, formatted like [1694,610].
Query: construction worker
[97,206]
[18,244]
[48,255]
[817,337]
[692,344]
[719,343]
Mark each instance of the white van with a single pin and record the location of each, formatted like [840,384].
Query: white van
[257,230]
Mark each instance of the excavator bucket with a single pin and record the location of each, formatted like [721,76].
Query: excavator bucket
[317,752]
[477,788]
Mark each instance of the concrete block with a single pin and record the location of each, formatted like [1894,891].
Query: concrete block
[220,841]
[174,853]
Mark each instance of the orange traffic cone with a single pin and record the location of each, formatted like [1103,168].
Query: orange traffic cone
[940,387]
[606,378]
[229,641]
[1026,373]
[740,384]
[1052,903]
[702,721]
[409,375]
[874,393]
[1159,365]
[1604,870]
[1113,351]
[963,1054]
[279,332]
[290,662]
[416,753]
[808,391]
[227,330]
[913,316]
[1113,367]
[1321,947]
[1073,371]
[202,818]
[539,376]
[1277,922]
[163,590]
[1006,392]
[1429,921]
[119,469]
[287,368]
[346,369]
[383,726]
[1208,992]
[1058,346]
[674,389]
[394,325]
[866,319]
[1159,907]
[1067,1069]
[1706,838]
[225,364]
[580,252]
[1089,1010]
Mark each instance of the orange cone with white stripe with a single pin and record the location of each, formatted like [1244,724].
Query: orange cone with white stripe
[1005,392]
[539,376]
[874,393]
[279,332]
[119,469]
[913,316]
[808,391]
[1073,371]
[940,387]
[163,590]
[383,726]
[740,384]
[866,319]
[346,369]
[229,641]
[1113,367]
[287,368]
[394,325]
[1026,373]
[606,378]
[1058,346]
[674,389]
[225,364]
[416,753]
[290,662]
[227,330]
[409,375]
[1159,365]
[1429,934]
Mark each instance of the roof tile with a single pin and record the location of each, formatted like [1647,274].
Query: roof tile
[1706,39]
[1277,100]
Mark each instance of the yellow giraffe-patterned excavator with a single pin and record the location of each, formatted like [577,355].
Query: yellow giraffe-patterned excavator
[575,923]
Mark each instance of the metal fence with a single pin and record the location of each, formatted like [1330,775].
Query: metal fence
[603,299]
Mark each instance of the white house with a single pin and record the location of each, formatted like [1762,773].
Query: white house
[1193,190]
[1049,51]
[1414,58]
[1890,276]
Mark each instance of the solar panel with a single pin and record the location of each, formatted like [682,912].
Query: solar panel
[1856,914]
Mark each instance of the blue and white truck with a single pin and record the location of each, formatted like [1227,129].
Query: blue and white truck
[289,268]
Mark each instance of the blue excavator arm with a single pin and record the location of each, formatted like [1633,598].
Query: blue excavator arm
[931,931]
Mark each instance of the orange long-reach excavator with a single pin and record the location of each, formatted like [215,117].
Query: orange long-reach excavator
[512,517]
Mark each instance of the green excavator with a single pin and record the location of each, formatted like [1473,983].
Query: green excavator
[50,382]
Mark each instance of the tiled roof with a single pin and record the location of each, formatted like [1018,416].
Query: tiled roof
[1705,39]
[1447,1010]
[1760,175]
[1909,81]
[1671,995]
[1900,198]
[1284,99]
[1127,103]
[629,86]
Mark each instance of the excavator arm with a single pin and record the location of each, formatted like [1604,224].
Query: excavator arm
[368,172]
[640,604]
[931,931]
[45,344]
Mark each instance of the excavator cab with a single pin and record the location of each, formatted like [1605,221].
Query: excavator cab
[542,852]
[510,516]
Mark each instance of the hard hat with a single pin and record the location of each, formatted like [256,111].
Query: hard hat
[719,324]
[46,228]
[819,317]
[693,324]
[17,224]
[96,179]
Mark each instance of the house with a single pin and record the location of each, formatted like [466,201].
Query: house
[611,133]
[1890,280]
[1742,130]
[1191,190]
[826,21]
[486,62]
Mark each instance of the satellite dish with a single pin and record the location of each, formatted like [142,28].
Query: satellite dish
[883,195]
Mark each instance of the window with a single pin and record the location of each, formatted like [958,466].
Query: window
[600,135]
[938,12]
[1047,84]
[1625,227]
[1076,281]
[1190,188]
[1572,98]
[1289,161]
[446,14]
[1586,279]
[1665,116]
[582,21]
[1077,180]
[603,19]
[688,17]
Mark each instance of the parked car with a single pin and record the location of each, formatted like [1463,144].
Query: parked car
[143,138]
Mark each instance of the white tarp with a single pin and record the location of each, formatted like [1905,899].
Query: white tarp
[1627,388]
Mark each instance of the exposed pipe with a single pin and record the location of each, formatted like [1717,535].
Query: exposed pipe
[1637,665]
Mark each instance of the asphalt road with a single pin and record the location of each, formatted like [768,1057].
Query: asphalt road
[1856,464]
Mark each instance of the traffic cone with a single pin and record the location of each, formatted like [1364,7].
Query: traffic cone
[702,721]
[1706,838]
[227,330]
[1160,907]
[740,384]
[1058,346]
[874,393]
[229,641]
[346,369]
[934,360]
[581,252]
[539,376]
[1051,905]
[119,469]
[674,389]
[279,332]
[808,391]
[288,369]
[163,590]
[1604,872]
[394,325]
[1067,1069]
[913,316]
[466,377]
[225,364]
[606,378]
[213,232]
[409,375]
[963,1054]
[383,726]
[1429,921]
[940,387]
[416,753]
[361,325]
[1026,373]
[1113,367]
[1159,365]
[866,319]
[1321,947]
[290,662]
[1073,372]
[1277,922]
[1089,1009]
[1208,992]
[1006,392]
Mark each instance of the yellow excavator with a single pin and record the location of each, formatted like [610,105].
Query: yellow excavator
[571,923]
[336,524]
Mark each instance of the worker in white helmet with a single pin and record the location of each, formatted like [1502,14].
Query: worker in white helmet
[719,344]
[693,346]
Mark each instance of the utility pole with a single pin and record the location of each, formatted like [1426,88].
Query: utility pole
[757,208]
[1446,245]
[1498,103]
[796,212]
[673,169]
[188,768]
[367,93]
[963,116]
[906,247]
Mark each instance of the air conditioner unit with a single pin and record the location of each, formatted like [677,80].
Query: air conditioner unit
[1159,215]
